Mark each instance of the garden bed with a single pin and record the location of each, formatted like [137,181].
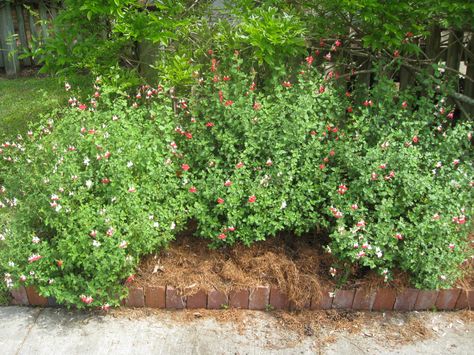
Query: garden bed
[286,272]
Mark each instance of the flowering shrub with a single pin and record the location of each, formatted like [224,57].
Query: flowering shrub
[260,162]
[89,193]
[407,195]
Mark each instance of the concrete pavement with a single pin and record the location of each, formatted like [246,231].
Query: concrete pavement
[51,331]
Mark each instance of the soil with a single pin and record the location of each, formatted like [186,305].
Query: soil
[297,265]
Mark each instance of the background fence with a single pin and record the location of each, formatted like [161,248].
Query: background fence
[23,26]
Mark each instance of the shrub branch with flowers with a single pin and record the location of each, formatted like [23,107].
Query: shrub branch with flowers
[389,177]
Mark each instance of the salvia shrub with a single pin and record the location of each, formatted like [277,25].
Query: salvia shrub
[389,177]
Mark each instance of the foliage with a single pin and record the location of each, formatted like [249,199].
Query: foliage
[387,174]
[89,193]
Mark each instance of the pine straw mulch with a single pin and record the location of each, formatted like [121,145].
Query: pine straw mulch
[189,265]
[296,265]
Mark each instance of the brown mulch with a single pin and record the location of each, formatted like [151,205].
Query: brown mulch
[297,265]
[189,265]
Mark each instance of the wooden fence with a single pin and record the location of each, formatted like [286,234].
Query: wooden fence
[23,26]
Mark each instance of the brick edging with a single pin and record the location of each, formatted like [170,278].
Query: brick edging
[267,297]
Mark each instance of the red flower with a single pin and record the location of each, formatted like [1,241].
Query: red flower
[322,166]
[332,153]
[213,64]
[342,189]
[450,115]
[210,52]
[257,106]
[287,84]
[348,94]
[130,279]
[209,124]
[222,236]
[188,135]
[309,60]
[228,183]
[322,89]
[82,107]
[252,199]
[398,236]
[215,79]
[313,133]
[338,43]
[226,78]
[231,229]
[252,87]
[192,189]
[326,160]
[396,53]
[220,201]
[404,104]
[59,263]
[229,103]
[415,139]
[105,181]
[349,109]
[368,103]
[239,165]
[409,34]
[185,167]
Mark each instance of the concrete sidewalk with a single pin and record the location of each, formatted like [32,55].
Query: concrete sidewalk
[58,331]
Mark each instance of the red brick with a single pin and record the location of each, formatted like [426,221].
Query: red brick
[343,299]
[173,299]
[364,299]
[197,300]
[447,299]
[34,298]
[322,302]
[19,296]
[406,300]
[216,299]
[135,298]
[384,300]
[239,299]
[259,297]
[155,296]
[278,299]
[426,300]
[466,299]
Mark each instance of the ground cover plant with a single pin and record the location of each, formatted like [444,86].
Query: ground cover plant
[113,177]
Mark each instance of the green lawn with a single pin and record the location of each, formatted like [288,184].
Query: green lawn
[23,100]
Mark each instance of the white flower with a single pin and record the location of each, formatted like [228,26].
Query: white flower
[35,240]
[378,252]
[86,161]
[11,264]
[58,208]
[2,237]
[151,217]
[439,164]
[50,281]
[123,244]
[89,184]
[115,118]
[283,205]
[156,225]
[96,243]
[129,164]
[173,226]
[332,271]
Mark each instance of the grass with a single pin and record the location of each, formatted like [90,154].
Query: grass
[24,100]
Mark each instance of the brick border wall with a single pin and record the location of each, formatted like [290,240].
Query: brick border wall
[266,297]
